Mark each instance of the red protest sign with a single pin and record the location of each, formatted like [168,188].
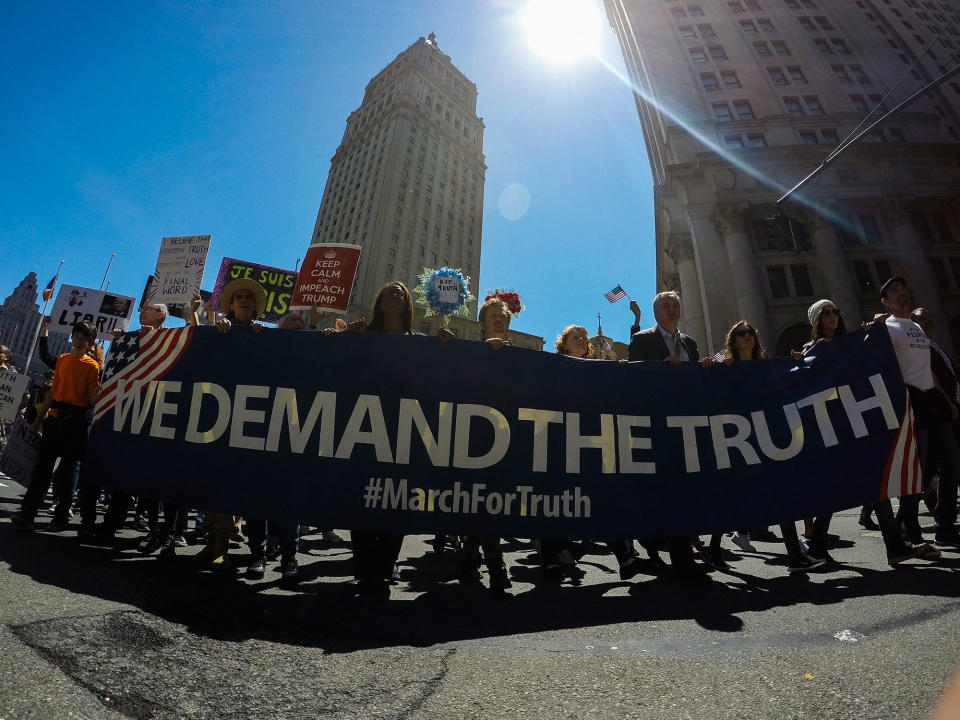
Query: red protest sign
[326,277]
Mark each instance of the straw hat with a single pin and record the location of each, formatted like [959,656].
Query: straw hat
[259,294]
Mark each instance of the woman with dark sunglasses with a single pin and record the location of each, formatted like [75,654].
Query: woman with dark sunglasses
[743,344]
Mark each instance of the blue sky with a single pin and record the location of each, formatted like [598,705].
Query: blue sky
[128,122]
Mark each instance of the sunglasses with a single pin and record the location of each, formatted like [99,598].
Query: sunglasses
[743,331]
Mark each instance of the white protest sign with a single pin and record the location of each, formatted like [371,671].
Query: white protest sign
[448,289]
[105,310]
[20,453]
[179,269]
[12,387]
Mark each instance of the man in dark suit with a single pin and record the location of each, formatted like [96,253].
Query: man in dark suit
[665,343]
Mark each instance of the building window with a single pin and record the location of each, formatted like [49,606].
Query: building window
[743,110]
[777,76]
[706,30]
[859,104]
[796,74]
[780,47]
[756,140]
[766,25]
[943,228]
[717,53]
[777,277]
[823,46]
[840,73]
[686,32]
[730,79]
[721,111]
[735,6]
[762,49]
[823,23]
[813,104]
[859,74]
[709,81]
[896,135]
[865,281]
[752,5]
[808,137]
[840,46]
[678,13]
[829,137]
[389,269]
[748,26]
[698,55]
[871,231]
[695,10]
[793,106]
[801,280]
[733,142]
[420,250]
[806,23]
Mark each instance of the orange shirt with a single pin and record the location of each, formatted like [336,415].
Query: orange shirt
[75,379]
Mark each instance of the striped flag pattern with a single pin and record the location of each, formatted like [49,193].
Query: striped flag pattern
[615,294]
[902,475]
[142,356]
[48,290]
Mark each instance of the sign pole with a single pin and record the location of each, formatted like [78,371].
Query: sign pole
[36,330]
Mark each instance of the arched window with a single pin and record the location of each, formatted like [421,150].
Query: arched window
[793,338]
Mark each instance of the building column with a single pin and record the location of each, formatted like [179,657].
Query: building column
[751,301]
[841,287]
[680,249]
[913,258]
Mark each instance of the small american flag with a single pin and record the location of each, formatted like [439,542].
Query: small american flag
[143,356]
[615,294]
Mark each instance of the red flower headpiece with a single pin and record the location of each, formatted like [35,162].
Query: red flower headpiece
[511,298]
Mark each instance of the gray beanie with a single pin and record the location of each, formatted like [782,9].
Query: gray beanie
[813,312]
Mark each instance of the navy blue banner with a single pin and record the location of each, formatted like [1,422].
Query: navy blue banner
[409,434]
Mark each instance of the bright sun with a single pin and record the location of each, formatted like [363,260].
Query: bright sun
[562,31]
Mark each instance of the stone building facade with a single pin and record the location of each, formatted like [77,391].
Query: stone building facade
[741,99]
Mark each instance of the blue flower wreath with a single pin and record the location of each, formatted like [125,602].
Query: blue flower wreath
[427,294]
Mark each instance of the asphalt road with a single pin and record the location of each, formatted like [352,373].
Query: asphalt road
[88,632]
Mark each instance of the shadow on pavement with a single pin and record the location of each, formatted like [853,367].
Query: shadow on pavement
[323,611]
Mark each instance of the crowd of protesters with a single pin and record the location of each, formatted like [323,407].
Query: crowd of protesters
[61,411]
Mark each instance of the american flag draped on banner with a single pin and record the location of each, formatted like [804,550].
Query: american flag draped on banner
[141,356]
[615,294]
[902,475]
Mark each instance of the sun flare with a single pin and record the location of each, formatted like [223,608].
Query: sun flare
[562,31]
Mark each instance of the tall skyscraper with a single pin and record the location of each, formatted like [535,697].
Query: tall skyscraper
[406,182]
[19,316]
[740,99]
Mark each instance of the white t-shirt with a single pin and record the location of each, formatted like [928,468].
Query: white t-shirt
[913,352]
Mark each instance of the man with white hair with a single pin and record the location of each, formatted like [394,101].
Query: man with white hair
[665,343]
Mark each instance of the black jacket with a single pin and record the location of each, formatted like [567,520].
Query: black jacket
[649,345]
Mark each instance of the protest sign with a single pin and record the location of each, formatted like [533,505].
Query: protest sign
[410,435]
[326,277]
[177,310]
[104,309]
[179,270]
[20,453]
[277,283]
[12,387]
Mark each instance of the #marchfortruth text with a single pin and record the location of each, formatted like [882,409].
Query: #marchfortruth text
[390,494]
